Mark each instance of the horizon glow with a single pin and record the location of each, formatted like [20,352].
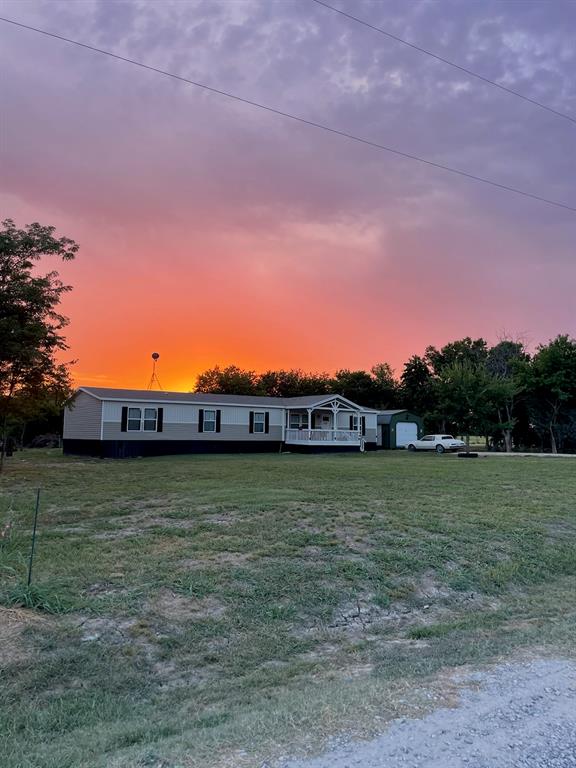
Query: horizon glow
[215,234]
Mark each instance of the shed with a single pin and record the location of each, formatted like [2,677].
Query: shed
[398,428]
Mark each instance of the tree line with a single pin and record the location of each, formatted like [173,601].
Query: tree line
[501,392]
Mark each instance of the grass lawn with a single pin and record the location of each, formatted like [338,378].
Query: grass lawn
[205,610]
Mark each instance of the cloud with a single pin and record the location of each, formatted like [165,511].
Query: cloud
[158,177]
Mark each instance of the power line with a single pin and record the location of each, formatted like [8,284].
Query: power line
[453,64]
[296,118]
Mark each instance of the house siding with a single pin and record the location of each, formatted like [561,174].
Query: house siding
[181,423]
[82,419]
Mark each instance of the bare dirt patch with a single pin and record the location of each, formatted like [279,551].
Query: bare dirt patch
[174,607]
[106,629]
[13,623]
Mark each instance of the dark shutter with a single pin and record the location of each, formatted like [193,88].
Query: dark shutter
[218,420]
[267,423]
[351,422]
[160,420]
[124,422]
[313,425]
[251,422]
[363,425]
[201,420]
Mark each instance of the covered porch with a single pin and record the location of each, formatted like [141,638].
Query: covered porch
[333,422]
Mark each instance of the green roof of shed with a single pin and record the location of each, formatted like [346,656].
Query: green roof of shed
[385,417]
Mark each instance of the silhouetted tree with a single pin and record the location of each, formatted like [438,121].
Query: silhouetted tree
[293,383]
[464,350]
[505,363]
[417,390]
[30,325]
[227,381]
[551,385]
[386,389]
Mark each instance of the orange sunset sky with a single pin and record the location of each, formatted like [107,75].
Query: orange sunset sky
[215,233]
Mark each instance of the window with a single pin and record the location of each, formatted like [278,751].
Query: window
[134,419]
[428,438]
[150,419]
[136,423]
[209,421]
[447,437]
[298,421]
[259,421]
[141,419]
[354,422]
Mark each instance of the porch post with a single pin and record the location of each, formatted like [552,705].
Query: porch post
[310,423]
[334,415]
[285,418]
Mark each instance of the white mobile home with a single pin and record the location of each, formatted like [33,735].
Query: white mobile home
[119,423]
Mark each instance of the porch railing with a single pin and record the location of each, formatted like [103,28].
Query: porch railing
[322,436]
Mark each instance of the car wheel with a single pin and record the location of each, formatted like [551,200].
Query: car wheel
[411,447]
[440,449]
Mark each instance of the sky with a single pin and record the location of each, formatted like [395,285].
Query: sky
[212,232]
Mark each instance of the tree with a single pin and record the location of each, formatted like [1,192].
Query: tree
[464,390]
[505,363]
[231,380]
[294,383]
[551,383]
[385,386]
[30,325]
[357,386]
[417,392]
[39,403]
[464,350]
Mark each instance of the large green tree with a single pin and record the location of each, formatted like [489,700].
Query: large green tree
[506,363]
[465,396]
[30,324]
[551,385]
[466,351]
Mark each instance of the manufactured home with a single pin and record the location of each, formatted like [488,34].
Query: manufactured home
[118,423]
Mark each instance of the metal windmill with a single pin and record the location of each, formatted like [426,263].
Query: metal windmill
[154,378]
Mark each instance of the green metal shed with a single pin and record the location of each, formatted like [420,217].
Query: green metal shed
[398,428]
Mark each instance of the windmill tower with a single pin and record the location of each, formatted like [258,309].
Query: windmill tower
[154,378]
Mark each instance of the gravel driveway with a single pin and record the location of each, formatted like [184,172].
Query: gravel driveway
[518,715]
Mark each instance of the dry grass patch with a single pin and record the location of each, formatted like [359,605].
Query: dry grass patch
[175,607]
[14,622]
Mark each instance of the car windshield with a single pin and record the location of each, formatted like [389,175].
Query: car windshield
[447,437]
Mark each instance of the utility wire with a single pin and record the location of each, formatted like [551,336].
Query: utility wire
[296,118]
[466,71]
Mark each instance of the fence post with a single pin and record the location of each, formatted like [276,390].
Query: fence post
[33,536]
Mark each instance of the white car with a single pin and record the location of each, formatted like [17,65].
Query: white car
[438,443]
